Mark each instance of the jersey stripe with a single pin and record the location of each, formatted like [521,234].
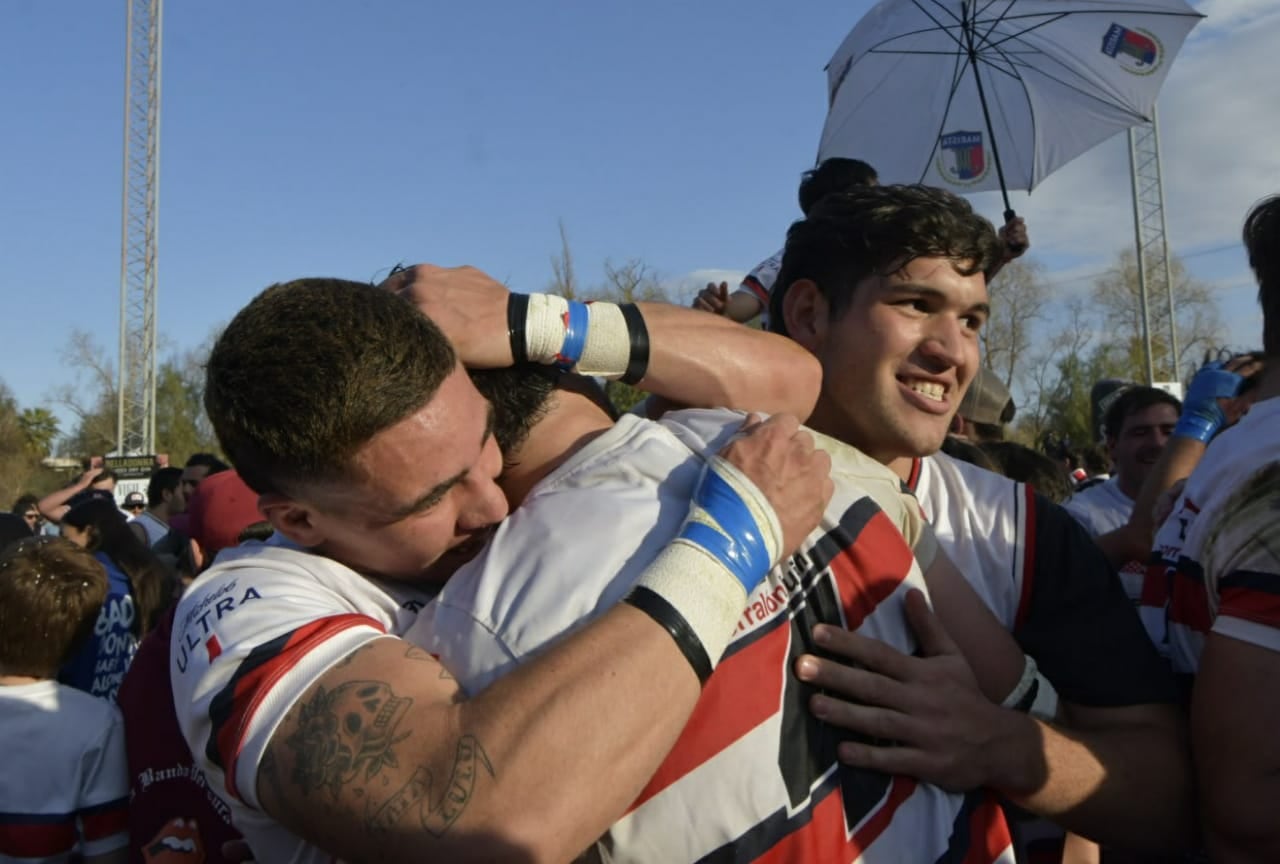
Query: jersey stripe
[1189,601]
[105,820]
[1251,595]
[232,709]
[711,728]
[757,290]
[36,835]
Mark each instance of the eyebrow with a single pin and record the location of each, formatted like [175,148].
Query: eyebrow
[436,493]
[934,293]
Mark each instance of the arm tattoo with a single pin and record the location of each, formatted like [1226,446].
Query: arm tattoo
[416,795]
[345,731]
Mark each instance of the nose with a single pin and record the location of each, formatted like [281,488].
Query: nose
[945,341]
[485,505]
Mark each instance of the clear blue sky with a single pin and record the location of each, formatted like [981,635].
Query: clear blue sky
[316,137]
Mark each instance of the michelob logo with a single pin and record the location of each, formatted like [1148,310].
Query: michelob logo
[961,159]
[1137,51]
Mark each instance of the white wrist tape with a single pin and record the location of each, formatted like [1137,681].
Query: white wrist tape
[729,543]
[544,327]
[608,348]
[1033,694]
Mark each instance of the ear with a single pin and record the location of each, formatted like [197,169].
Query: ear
[806,314]
[292,518]
[957,427]
[1111,447]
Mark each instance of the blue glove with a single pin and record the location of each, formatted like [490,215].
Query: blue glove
[1202,416]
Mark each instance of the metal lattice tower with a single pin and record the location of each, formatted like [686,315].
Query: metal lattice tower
[1154,273]
[136,408]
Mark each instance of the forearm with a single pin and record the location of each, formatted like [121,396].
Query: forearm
[574,757]
[533,769]
[707,360]
[1116,785]
[54,505]
[742,306]
[1179,458]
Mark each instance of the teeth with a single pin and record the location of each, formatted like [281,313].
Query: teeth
[930,389]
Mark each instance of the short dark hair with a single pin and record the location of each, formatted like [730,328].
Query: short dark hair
[836,174]
[24,503]
[521,397]
[879,230]
[208,460]
[1130,402]
[311,370]
[162,480]
[1262,242]
[50,594]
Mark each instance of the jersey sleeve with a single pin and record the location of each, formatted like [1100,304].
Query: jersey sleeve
[759,282]
[103,812]
[247,642]
[1242,554]
[1078,623]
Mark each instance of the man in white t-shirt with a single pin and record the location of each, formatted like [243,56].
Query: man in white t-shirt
[887,287]
[166,498]
[374,458]
[1137,427]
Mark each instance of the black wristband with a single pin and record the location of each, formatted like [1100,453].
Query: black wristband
[638,361]
[517,315]
[656,607]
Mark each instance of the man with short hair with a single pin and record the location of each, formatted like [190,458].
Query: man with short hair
[198,467]
[887,287]
[1137,426]
[165,499]
[373,457]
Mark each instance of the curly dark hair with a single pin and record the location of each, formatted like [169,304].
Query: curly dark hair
[1262,242]
[836,174]
[311,370]
[877,230]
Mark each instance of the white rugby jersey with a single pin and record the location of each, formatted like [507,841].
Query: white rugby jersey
[1046,580]
[1101,509]
[754,775]
[1224,534]
[759,284]
[249,637]
[64,782]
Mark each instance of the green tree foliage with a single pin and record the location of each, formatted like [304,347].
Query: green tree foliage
[40,426]
[1099,337]
[20,455]
[182,428]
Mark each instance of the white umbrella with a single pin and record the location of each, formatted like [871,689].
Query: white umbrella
[974,95]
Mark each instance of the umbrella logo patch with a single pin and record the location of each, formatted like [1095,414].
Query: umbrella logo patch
[961,159]
[1136,51]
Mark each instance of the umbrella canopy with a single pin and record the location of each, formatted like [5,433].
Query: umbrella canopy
[995,94]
